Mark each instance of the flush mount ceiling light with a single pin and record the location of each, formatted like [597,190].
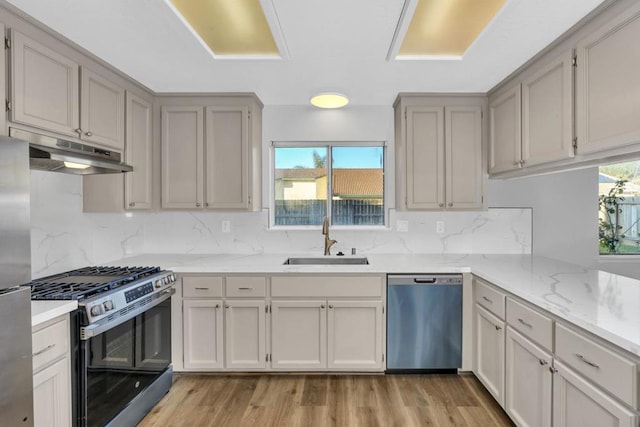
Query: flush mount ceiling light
[329,100]
[233,29]
[440,29]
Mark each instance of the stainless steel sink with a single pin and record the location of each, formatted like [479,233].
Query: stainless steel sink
[327,261]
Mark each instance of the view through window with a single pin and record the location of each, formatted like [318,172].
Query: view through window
[347,181]
[619,203]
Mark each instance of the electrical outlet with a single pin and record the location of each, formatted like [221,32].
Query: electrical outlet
[402,226]
[226,226]
[440,227]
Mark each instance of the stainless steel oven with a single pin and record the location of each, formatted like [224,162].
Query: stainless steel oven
[121,341]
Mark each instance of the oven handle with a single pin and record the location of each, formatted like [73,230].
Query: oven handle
[90,331]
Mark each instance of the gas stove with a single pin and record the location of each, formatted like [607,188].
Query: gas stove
[105,293]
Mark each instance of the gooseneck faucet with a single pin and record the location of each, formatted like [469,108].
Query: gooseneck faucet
[328,242]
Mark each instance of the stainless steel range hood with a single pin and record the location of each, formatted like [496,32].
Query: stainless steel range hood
[59,155]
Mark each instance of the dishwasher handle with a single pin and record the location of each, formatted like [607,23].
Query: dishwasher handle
[429,280]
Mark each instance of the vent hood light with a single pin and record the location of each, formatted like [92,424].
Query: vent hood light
[329,100]
[73,165]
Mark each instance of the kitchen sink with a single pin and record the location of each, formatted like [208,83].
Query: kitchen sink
[327,261]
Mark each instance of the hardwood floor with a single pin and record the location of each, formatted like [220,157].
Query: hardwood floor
[326,400]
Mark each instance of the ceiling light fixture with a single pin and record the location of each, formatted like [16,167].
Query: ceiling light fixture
[329,100]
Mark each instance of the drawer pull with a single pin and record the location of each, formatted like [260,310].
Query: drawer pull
[552,369]
[487,299]
[588,362]
[202,289]
[497,327]
[44,350]
[524,323]
[543,362]
[217,306]
[322,306]
[245,289]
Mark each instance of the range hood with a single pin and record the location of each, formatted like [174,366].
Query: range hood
[58,155]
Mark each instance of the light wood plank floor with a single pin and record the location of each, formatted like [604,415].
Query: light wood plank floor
[326,400]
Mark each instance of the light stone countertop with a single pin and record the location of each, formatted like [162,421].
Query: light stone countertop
[42,311]
[605,304]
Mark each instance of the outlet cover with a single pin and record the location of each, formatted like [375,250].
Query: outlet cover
[440,227]
[402,226]
[226,226]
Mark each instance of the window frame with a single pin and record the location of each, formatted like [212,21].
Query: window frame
[328,145]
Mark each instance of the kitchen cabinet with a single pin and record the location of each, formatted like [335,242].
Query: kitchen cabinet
[203,339]
[489,354]
[505,137]
[211,153]
[528,381]
[52,373]
[578,402]
[131,190]
[3,84]
[52,92]
[245,334]
[607,101]
[439,152]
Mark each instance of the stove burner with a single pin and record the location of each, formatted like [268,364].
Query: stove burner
[85,282]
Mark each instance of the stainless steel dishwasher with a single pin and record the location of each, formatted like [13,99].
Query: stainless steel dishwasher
[424,323]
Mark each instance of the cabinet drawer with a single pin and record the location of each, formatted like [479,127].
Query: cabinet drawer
[529,322]
[246,287]
[50,342]
[326,286]
[604,366]
[202,287]
[489,298]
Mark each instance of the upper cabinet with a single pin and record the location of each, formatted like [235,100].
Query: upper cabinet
[47,93]
[439,152]
[3,84]
[531,121]
[608,84]
[211,152]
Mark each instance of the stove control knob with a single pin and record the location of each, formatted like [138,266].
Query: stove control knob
[96,310]
[172,277]
[108,305]
[158,283]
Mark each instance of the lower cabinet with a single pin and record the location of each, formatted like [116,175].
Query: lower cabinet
[52,374]
[528,382]
[202,334]
[245,334]
[489,357]
[579,403]
[326,334]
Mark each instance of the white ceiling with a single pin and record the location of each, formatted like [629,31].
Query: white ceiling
[334,45]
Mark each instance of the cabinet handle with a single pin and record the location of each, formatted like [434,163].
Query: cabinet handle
[552,369]
[322,306]
[498,327]
[450,204]
[528,325]
[516,163]
[206,204]
[543,362]
[521,163]
[226,306]
[330,306]
[132,204]
[588,362]
[44,350]
[245,289]
[487,299]
[202,289]
[441,205]
[197,205]
[89,134]
[217,306]
[78,131]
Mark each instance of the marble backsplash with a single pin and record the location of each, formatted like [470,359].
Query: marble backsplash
[63,237]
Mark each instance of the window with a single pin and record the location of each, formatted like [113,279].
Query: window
[346,180]
[619,208]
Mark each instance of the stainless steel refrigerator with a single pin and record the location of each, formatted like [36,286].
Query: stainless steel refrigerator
[16,374]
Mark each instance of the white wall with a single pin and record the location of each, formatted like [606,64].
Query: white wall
[565,217]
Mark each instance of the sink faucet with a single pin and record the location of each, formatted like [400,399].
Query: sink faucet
[328,242]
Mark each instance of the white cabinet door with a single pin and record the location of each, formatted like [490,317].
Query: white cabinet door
[44,87]
[101,111]
[425,157]
[3,84]
[139,148]
[463,153]
[577,402]
[182,137]
[51,395]
[547,112]
[355,335]
[608,83]
[245,334]
[528,382]
[227,158]
[489,363]
[505,150]
[299,335]
[202,334]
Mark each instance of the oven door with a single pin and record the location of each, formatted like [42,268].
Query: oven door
[122,361]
